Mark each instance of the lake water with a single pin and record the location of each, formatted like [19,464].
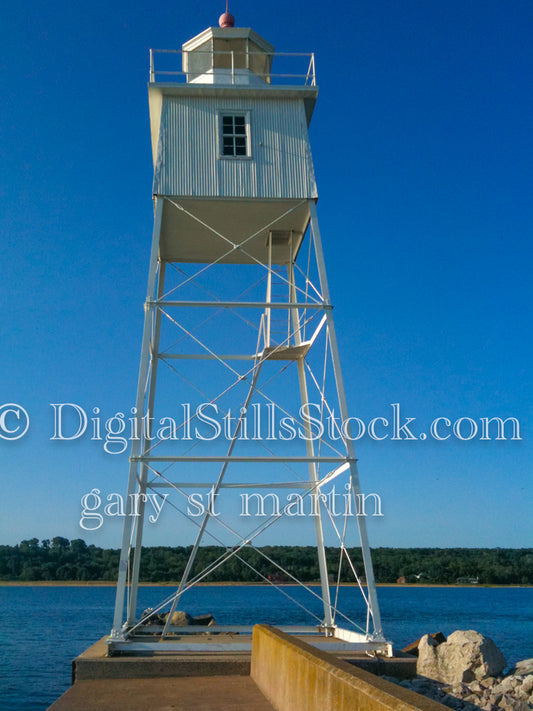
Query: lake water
[44,628]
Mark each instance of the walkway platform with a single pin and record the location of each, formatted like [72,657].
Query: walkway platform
[212,693]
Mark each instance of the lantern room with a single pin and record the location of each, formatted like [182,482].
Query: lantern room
[227,55]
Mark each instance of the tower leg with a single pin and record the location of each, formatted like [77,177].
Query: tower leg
[361,521]
[317,515]
[135,448]
[132,606]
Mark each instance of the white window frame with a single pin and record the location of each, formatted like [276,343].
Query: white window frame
[234,112]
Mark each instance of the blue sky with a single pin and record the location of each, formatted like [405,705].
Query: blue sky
[423,154]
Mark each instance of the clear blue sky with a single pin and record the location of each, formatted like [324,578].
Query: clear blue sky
[422,145]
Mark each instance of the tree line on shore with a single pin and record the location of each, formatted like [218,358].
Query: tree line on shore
[60,559]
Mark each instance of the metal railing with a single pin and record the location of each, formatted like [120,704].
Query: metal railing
[232,64]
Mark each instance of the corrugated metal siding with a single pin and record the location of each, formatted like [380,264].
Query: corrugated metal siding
[188,162]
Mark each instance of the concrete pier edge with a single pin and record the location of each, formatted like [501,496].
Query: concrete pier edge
[294,676]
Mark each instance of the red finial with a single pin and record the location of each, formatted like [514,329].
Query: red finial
[227,19]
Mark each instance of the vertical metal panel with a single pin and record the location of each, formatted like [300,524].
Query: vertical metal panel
[189,163]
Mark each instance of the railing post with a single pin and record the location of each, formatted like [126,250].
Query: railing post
[309,71]
[232,67]
[152,74]
[314,70]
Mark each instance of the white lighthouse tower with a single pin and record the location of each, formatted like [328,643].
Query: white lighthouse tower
[239,341]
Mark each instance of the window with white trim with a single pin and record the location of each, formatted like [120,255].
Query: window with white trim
[234,135]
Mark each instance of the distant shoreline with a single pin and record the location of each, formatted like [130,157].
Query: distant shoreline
[109,584]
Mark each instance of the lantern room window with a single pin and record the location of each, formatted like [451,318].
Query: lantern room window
[234,132]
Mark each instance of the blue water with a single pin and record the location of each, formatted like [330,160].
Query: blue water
[44,628]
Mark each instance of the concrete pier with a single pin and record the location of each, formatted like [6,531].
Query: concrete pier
[95,664]
[279,671]
[214,693]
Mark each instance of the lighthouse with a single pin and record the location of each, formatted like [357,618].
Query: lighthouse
[239,338]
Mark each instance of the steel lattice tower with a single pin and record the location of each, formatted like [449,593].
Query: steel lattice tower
[238,315]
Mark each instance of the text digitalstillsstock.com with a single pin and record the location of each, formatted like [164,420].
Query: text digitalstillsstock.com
[206,422]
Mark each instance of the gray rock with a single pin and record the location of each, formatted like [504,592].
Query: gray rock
[527,684]
[521,694]
[392,679]
[465,657]
[412,648]
[472,699]
[506,702]
[438,693]
[524,667]
[421,683]
[428,663]
[460,690]
[180,619]
[475,687]
[509,703]
[506,686]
